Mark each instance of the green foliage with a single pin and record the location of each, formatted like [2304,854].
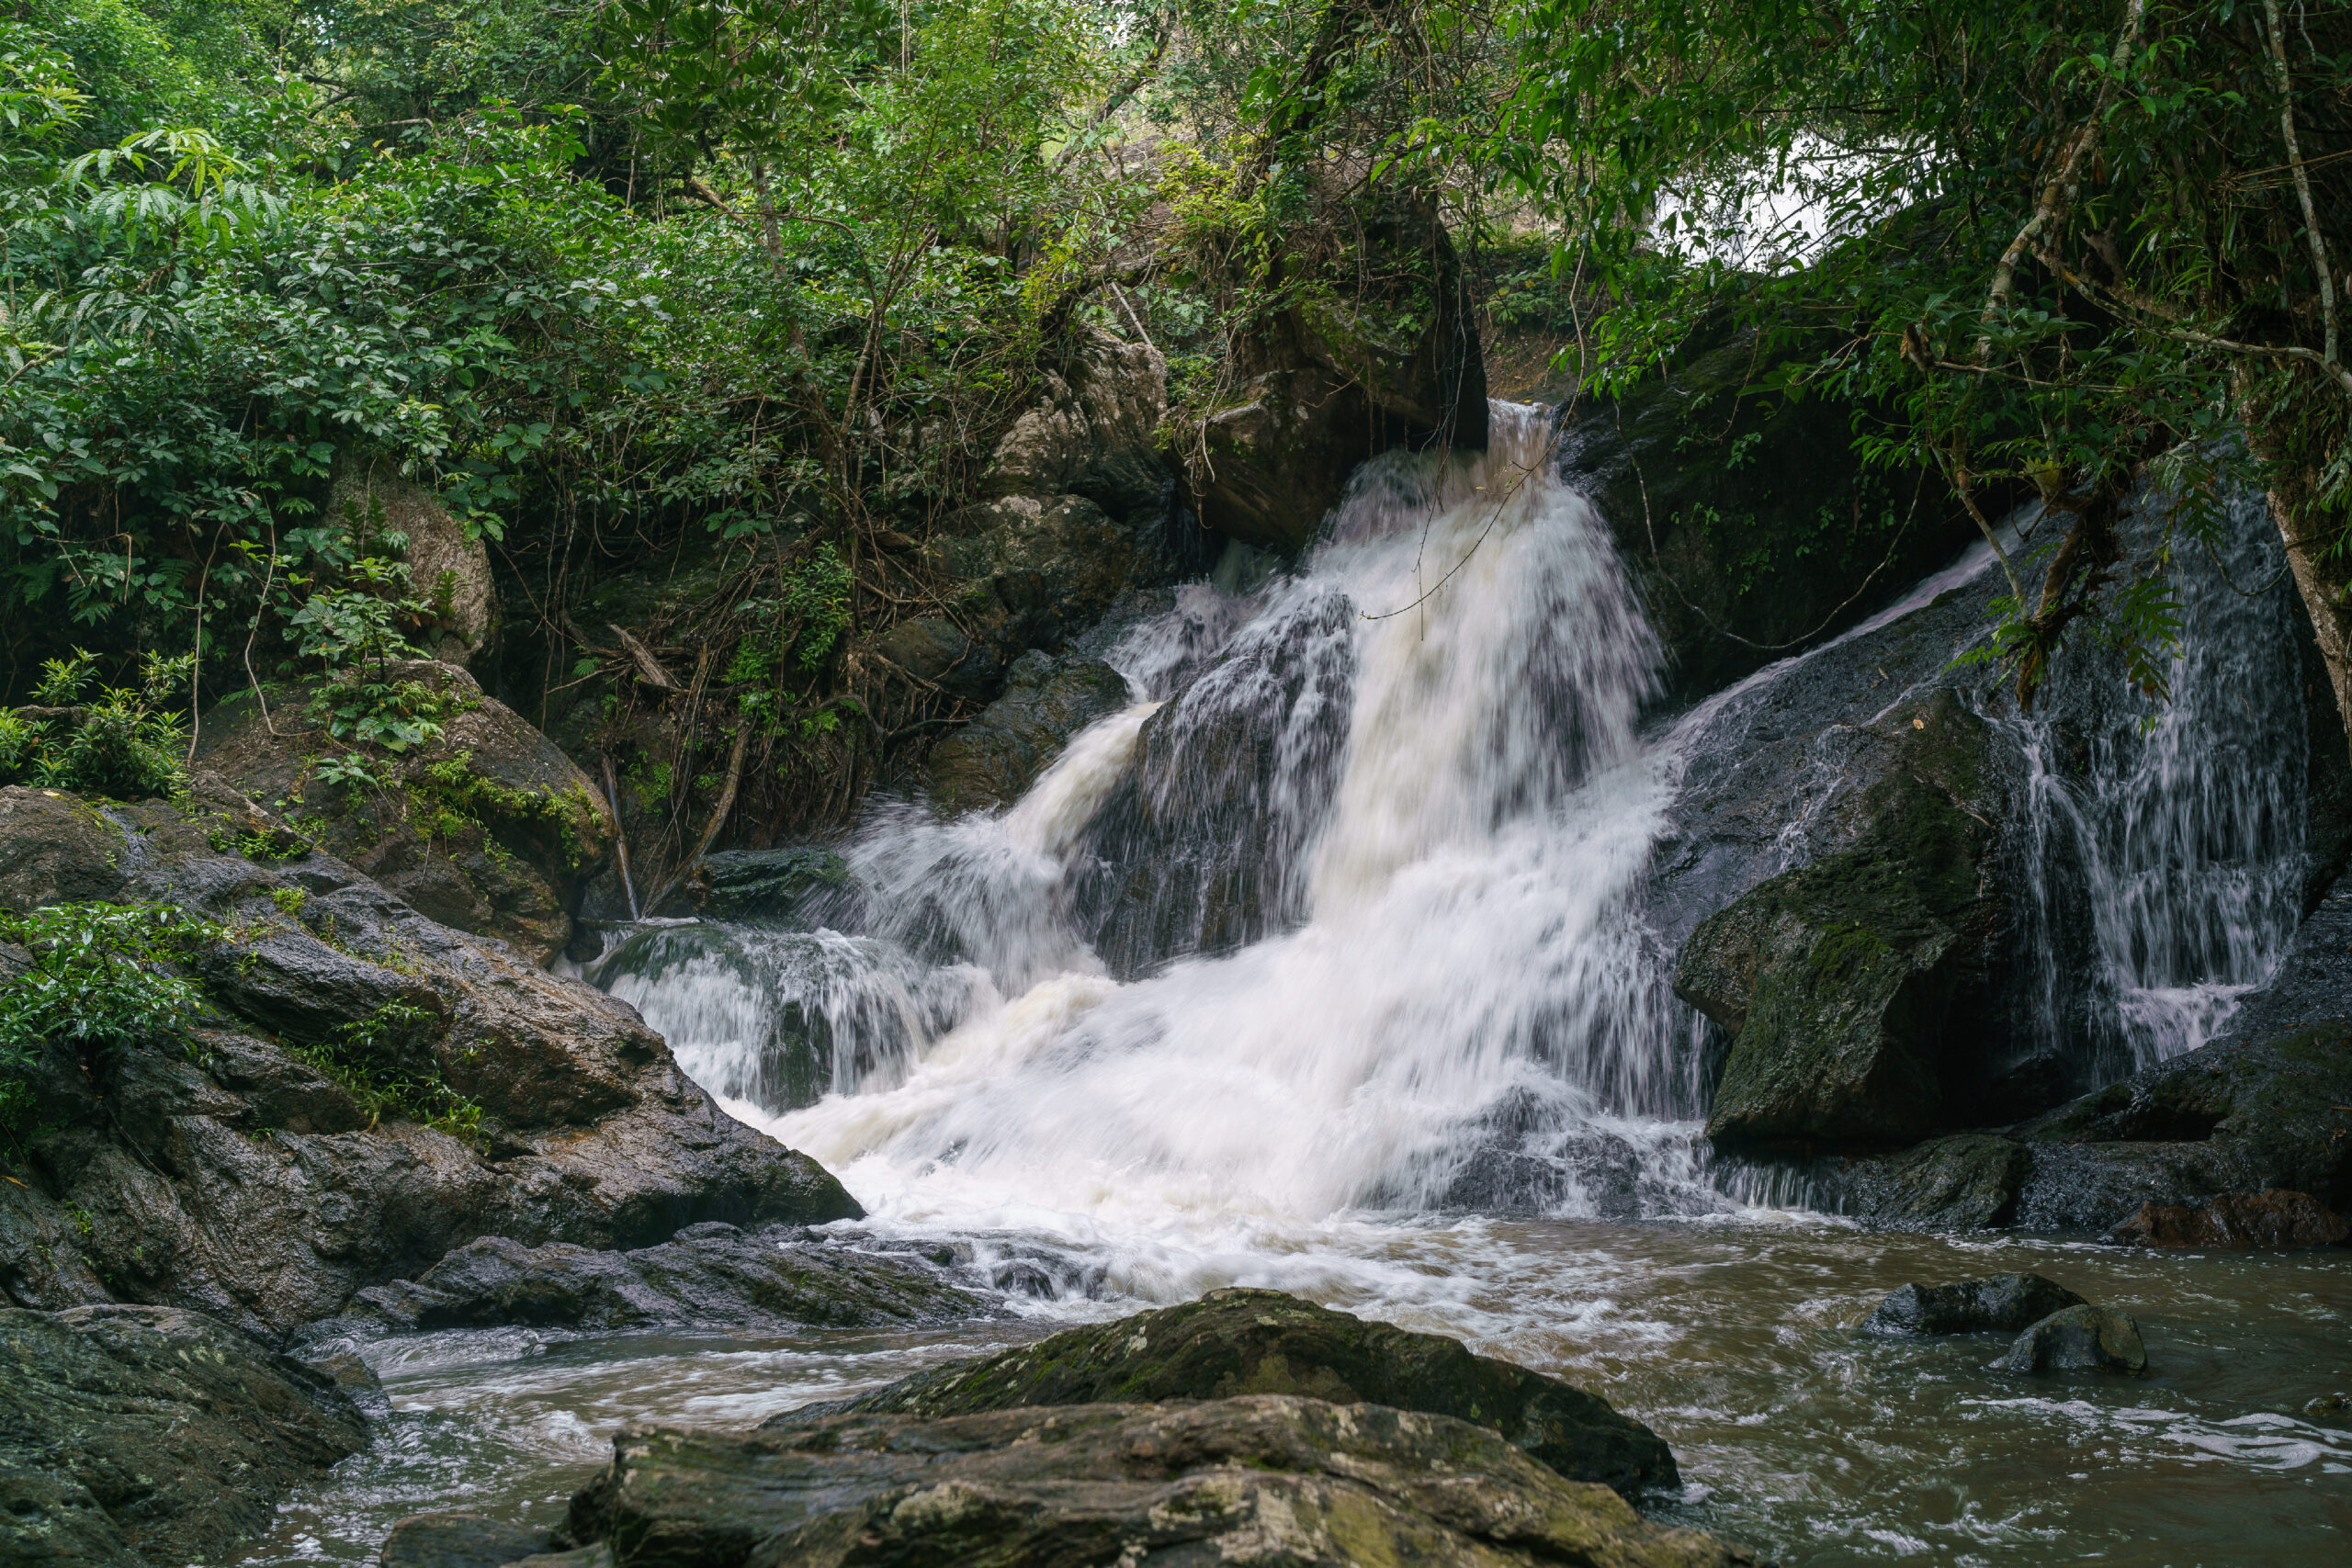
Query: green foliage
[100,981]
[2051,244]
[121,743]
[385,1062]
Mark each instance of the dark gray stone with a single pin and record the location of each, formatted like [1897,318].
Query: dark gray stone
[2079,1338]
[993,760]
[710,1276]
[141,1436]
[1999,1304]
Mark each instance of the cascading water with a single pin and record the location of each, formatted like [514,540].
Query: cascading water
[1346,912]
[1364,909]
[2166,838]
[1427,739]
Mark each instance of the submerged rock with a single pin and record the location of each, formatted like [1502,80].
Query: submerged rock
[2080,1339]
[2001,1303]
[460,1540]
[1266,1478]
[712,1276]
[139,1435]
[2239,1222]
[1237,1341]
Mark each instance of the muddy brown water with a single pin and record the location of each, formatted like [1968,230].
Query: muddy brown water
[1796,1434]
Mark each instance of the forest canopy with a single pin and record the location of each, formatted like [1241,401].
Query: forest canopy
[604,275]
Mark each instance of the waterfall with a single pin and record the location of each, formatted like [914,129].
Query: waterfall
[1356,908]
[2164,840]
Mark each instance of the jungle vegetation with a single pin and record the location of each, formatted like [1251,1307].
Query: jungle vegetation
[610,275]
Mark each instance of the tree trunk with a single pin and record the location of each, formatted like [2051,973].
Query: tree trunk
[2324,584]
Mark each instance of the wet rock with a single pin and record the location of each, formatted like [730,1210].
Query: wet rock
[1999,1304]
[2237,1222]
[460,1540]
[56,847]
[993,760]
[237,1176]
[765,884]
[712,1276]
[1851,986]
[1718,502]
[2080,1339]
[1269,1478]
[1244,1341]
[1966,1181]
[133,1435]
[2329,1407]
[493,826]
[1201,847]
[1322,385]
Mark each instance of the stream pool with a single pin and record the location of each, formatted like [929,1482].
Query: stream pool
[1796,1434]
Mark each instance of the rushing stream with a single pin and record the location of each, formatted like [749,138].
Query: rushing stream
[1337,937]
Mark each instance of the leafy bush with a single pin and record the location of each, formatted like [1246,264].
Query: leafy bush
[375,1061]
[98,982]
[122,743]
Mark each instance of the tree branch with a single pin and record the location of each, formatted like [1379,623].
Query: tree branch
[2303,179]
[2058,196]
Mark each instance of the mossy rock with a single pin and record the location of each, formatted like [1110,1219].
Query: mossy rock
[1748,522]
[1852,987]
[488,827]
[1236,1342]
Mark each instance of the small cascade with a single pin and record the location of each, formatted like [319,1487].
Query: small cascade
[2166,838]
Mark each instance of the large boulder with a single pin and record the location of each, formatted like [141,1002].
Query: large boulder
[1244,1341]
[2237,1222]
[487,827]
[137,1436]
[448,568]
[1749,525]
[2078,1339]
[370,1090]
[710,1276]
[1853,988]
[1996,1303]
[1269,1478]
[1374,348]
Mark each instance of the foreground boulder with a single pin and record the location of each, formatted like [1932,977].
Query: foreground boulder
[1268,1478]
[368,1090]
[460,1540]
[1237,1341]
[2238,1222]
[2003,1303]
[2081,1339]
[712,1276]
[139,1435]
